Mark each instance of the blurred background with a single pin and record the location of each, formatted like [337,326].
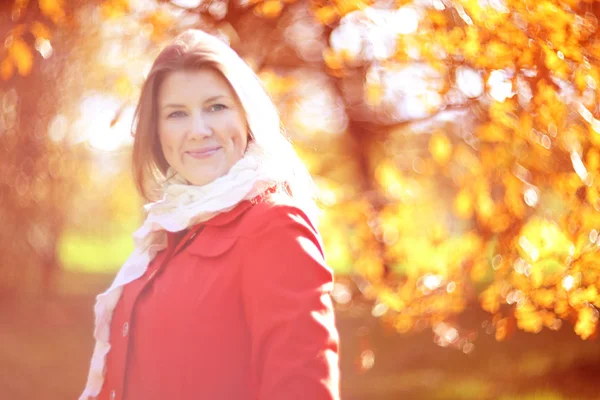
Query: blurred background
[456,144]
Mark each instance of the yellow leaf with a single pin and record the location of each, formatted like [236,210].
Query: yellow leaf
[327,15]
[346,6]
[526,58]
[7,69]
[463,204]
[269,8]
[499,222]
[404,323]
[113,9]
[22,56]
[545,298]
[501,53]
[528,318]
[581,78]
[492,133]
[332,59]
[561,308]
[374,93]
[525,124]
[485,205]
[593,160]
[503,114]
[490,300]
[471,46]
[392,300]
[440,148]
[388,176]
[541,238]
[501,329]
[437,18]
[40,31]
[513,197]
[123,86]
[275,84]
[161,21]
[370,266]
[480,271]
[53,9]
[587,322]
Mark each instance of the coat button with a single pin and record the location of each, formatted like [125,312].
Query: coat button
[125,328]
[113,395]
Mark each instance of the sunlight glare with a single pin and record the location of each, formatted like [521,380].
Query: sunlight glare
[451,287]
[187,3]
[58,128]
[531,197]
[529,248]
[593,236]
[367,359]
[97,111]
[469,81]
[500,85]
[315,114]
[341,294]
[412,91]
[432,282]
[346,38]
[406,20]
[379,309]
[578,166]
[44,47]
[568,282]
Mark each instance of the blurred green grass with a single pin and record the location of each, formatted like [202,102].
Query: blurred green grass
[94,253]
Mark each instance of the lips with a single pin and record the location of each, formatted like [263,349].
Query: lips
[204,152]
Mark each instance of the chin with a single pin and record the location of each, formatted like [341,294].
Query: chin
[204,180]
[201,176]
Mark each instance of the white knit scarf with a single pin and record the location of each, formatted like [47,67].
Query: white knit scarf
[182,206]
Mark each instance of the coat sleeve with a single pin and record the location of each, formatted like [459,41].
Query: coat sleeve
[286,288]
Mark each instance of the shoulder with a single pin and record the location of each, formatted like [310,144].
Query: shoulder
[274,218]
[273,213]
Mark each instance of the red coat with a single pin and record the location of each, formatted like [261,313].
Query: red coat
[235,308]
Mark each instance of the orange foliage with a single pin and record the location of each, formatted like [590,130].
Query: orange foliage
[21,56]
[506,214]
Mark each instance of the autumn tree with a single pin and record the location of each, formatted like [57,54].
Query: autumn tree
[459,145]
[36,170]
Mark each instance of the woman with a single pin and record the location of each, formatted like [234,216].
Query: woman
[226,295]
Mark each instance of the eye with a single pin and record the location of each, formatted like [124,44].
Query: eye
[176,114]
[217,107]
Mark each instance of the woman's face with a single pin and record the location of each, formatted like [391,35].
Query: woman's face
[201,124]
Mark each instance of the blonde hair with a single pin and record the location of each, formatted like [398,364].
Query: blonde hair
[196,49]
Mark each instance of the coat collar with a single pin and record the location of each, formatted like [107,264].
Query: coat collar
[179,238]
[227,217]
[221,219]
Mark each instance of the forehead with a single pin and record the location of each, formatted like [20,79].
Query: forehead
[196,84]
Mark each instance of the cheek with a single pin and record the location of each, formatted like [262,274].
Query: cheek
[239,144]
[168,139]
[240,135]
[168,148]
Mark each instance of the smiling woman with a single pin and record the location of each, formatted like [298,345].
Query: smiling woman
[227,294]
[201,125]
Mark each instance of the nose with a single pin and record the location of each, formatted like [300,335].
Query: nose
[200,127]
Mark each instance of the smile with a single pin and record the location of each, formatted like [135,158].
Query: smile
[202,153]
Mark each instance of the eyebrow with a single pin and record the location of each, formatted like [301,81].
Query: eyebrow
[210,99]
